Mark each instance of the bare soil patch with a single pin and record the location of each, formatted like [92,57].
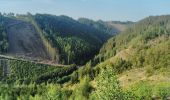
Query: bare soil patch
[24,41]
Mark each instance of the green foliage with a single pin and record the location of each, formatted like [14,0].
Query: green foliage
[74,77]
[83,90]
[146,44]
[162,90]
[118,66]
[87,70]
[108,87]
[72,48]
[104,53]
[33,92]
[121,65]
[25,72]
[144,91]
[147,91]
[56,75]
[25,69]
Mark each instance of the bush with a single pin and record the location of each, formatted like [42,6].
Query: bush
[83,90]
[108,87]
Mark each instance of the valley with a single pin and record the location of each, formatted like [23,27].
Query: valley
[51,57]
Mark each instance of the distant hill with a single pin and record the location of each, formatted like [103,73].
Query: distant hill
[108,27]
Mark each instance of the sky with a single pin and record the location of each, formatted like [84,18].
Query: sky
[116,10]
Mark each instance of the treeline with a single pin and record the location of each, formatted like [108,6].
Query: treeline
[74,50]
[99,25]
[107,27]
[26,72]
[3,36]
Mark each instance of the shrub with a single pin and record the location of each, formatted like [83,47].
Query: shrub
[108,87]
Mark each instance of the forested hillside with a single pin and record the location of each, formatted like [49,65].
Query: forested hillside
[76,42]
[141,58]
[49,37]
[141,38]
[3,36]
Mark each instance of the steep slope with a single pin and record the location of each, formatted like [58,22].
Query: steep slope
[140,58]
[58,38]
[141,53]
[76,42]
[23,40]
[147,33]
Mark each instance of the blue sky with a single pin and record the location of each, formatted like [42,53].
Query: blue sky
[121,10]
